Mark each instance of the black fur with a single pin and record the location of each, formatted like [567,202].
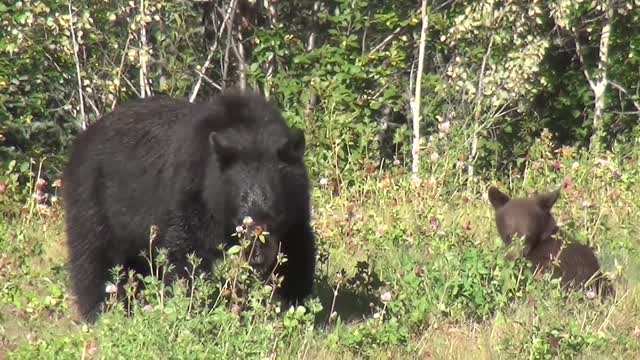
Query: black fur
[531,218]
[195,170]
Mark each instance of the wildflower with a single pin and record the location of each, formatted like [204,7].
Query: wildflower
[57,183]
[247,221]
[567,183]
[43,209]
[324,182]
[434,223]
[110,289]
[40,196]
[444,127]
[601,162]
[370,168]
[396,162]
[591,295]
[41,183]
[236,309]
[239,229]
[386,296]
[616,173]
[564,151]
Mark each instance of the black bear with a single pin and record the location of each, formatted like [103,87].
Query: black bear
[531,218]
[195,171]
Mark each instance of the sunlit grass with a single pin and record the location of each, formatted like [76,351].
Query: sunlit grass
[403,272]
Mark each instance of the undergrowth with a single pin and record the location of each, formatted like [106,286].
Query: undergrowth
[404,271]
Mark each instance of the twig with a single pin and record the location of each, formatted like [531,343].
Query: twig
[83,119]
[580,53]
[623,90]
[94,107]
[225,68]
[387,39]
[207,79]
[196,87]
[238,50]
[124,55]
[474,141]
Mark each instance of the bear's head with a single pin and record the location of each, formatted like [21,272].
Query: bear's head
[264,177]
[530,217]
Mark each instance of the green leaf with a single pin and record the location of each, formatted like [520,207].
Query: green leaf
[234,249]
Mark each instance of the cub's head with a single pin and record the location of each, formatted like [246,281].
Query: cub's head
[530,217]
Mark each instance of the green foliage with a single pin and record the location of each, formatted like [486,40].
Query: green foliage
[403,270]
[495,72]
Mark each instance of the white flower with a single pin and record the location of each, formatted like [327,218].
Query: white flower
[110,289]
[247,221]
[386,296]
[444,127]
[324,182]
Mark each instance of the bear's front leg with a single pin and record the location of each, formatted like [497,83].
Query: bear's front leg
[184,234]
[298,270]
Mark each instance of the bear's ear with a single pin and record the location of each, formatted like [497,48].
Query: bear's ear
[293,149]
[547,200]
[222,147]
[497,198]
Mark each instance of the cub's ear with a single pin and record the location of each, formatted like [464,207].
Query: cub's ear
[222,147]
[293,149]
[547,200]
[497,198]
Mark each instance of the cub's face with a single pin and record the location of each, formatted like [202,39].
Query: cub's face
[530,217]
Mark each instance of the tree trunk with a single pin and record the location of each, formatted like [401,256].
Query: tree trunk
[415,149]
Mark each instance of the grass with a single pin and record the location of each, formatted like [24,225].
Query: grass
[403,272]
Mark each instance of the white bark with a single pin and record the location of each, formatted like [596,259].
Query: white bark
[600,81]
[415,149]
[83,117]
[142,54]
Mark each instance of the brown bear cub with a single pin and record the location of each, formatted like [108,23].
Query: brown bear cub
[531,218]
